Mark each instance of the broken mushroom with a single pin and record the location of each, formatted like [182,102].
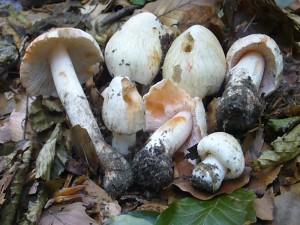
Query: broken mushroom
[123,113]
[135,50]
[221,158]
[196,62]
[56,62]
[153,166]
[254,68]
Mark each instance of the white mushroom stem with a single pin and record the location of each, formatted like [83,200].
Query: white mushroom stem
[251,65]
[213,176]
[117,176]
[123,142]
[71,93]
[172,134]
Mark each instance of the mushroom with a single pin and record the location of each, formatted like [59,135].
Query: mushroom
[196,62]
[164,100]
[123,113]
[254,68]
[221,158]
[55,62]
[152,165]
[135,50]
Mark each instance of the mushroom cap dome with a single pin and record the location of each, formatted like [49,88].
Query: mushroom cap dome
[135,50]
[35,72]
[196,62]
[123,109]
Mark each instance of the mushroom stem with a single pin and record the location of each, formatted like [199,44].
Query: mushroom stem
[123,142]
[153,164]
[240,102]
[251,65]
[117,171]
[209,174]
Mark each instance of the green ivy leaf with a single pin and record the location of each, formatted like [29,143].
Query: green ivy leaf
[285,148]
[140,2]
[232,209]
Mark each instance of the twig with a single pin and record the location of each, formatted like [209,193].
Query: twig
[119,14]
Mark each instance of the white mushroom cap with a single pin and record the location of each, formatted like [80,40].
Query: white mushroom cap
[226,149]
[196,62]
[271,53]
[123,107]
[135,50]
[35,69]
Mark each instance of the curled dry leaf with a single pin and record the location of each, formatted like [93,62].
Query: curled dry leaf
[183,172]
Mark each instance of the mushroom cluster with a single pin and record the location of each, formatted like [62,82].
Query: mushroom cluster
[171,112]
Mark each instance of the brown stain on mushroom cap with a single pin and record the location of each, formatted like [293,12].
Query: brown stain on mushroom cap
[131,95]
[177,71]
[175,121]
[188,43]
[154,59]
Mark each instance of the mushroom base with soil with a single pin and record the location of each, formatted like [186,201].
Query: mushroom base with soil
[239,111]
[153,168]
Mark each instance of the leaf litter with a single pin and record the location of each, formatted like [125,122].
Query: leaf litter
[272,147]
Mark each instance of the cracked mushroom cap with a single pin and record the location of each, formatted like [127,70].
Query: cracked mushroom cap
[271,53]
[135,50]
[123,108]
[196,62]
[226,149]
[35,72]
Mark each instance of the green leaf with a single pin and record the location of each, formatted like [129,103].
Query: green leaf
[150,216]
[232,209]
[45,158]
[285,148]
[60,160]
[138,2]
[128,220]
[283,124]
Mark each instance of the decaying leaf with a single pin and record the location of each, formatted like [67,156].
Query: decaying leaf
[264,207]
[4,131]
[44,114]
[184,13]
[72,214]
[287,207]
[46,156]
[227,187]
[285,148]
[283,125]
[8,50]
[84,147]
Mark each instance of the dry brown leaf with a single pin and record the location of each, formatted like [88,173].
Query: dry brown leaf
[267,176]
[287,207]
[153,206]
[264,206]
[4,131]
[227,187]
[6,181]
[181,12]
[72,214]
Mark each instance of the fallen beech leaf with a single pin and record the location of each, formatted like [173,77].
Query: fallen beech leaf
[46,156]
[264,207]
[173,12]
[227,187]
[84,147]
[7,101]
[182,167]
[72,214]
